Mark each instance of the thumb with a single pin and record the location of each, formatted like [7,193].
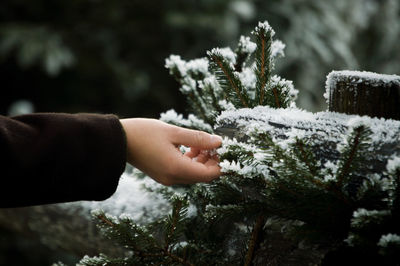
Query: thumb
[197,139]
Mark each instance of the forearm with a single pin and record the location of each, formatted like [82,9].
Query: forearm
[50,158]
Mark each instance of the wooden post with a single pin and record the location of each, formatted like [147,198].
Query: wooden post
[364,93]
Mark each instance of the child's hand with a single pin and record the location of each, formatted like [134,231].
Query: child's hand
[153,147]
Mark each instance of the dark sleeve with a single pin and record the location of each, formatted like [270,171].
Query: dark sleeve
[51,158]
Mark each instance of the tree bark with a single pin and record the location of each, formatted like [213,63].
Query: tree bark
[364,93]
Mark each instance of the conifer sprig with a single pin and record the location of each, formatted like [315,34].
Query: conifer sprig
[264,33]
[144,241]
[228,79]
[173,225]
[353,153]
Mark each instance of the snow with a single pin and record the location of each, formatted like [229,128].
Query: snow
[364,77]
[331,170]
[175,61]
[277,48]
[362,216]
[389,239]
[246,45]
[329,125]
[192,211]
[211,82]
[326,132]
[227,106]
[358,121]
[171,116]
[393,164]
[248,78]
[226,53]
[199,65]
[359,213]
[130,198]
[251,168]
[263,26]
[189,85]
[227,166]
[192,121]
[287,85]
[291,136]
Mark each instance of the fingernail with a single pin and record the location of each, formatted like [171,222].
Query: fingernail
[215,139]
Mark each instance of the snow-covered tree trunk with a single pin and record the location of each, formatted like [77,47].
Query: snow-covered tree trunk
[364,93]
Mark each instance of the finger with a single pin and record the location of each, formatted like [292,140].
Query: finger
[197,172]
[215,157]
[212,162]
[196,139]
[192,153]
[195,150]
[202,158]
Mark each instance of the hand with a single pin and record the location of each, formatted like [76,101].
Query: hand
[153,147]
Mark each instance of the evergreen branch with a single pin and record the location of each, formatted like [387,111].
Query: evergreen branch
[175,216]
[200,109]
[346,168]
[105,220]
[231,81]
[211,91]
[262,72]
[215,102]
[226,77]
[276,96]
[264,63]
[306,157]
[350,154]
[254,240]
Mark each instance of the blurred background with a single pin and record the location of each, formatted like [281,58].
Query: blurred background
[108,56]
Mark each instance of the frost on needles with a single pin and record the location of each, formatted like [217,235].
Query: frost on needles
[297,188]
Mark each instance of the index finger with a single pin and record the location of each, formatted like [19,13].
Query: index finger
[197,139]
[193,172]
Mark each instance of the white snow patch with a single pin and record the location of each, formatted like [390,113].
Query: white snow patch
[358,121]
[263,26]
[393,164]
[246,45]
[199,65]
[328,126]
[389,239]
[248,78]
[172,117]
[175,61]
[226,53]
[130,199]
[278,48]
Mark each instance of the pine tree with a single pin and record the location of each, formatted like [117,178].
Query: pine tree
[288,196]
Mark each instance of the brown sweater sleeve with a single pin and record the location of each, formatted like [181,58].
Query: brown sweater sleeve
[50,158]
